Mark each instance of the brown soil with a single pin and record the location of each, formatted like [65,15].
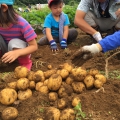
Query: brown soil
[102,105]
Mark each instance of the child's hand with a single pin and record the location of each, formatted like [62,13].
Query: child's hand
[10,56]
[53,45]
[63,43]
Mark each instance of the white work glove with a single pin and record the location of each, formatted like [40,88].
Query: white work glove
[84,53]
[97,36]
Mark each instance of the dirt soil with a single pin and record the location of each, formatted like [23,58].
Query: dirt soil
[101,105]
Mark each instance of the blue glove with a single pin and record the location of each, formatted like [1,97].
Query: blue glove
[63,43]
[53,45]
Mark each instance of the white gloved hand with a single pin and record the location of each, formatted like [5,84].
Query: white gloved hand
[97,36]
[91,48]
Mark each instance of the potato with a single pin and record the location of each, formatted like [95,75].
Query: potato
[9,113]
[67,114]
[54,82]
[64,73]
[53,96]
[23,95]
[69,80]
[49,67]
[45,82]
[101,77]
[12,85]
[67,66]
[98,83]
[21,72]
[43,89]
[30,76]
[52,113]
[38,85]
[79,74]
[22,83]
[8,96]
[48,73]
[93,71]
[39,76]
[78,87]
[62,103]
[89,81]
[75,101]
[32,85]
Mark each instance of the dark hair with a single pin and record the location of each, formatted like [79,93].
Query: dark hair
[9,16]
[55,2]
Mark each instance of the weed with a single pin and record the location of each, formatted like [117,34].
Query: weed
[41,110]
[79,113]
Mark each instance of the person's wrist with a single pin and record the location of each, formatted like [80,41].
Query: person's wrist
[99,46]
[97,36]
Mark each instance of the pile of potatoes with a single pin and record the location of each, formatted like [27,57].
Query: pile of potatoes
[57,83]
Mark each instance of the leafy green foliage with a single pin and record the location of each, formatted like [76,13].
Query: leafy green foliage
[79,113]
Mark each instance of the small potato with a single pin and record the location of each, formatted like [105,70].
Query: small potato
[79,74]
[30,76]
[48,73]
[39,76]
[52,114]
[101,77]
[9,113]
[54,82]
[43,89]
[12,85]
[23,95]
[75,101]
[38,85]
[62,103]
[93,71]
[78,87]
[67,114]
[53,96]
[89,81]
[32,85]
[64,73]
[21,72]
[49,67]
[69,80]
[8,96]
[22,83]
[98,83]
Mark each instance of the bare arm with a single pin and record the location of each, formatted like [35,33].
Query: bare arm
[82,24]
[48,34]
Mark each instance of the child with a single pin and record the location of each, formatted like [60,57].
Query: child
[17,37]
[110,42]
[56,27]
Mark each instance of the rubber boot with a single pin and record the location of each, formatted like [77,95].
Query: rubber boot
[25,61]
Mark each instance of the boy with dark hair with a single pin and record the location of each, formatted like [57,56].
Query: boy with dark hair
[56,27]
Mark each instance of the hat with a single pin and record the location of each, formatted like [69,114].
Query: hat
[49,1]
[7,2]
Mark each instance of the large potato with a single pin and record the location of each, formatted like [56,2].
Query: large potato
[39,76]
[78,87]
[23,95]
[9,113]
[43,89]
[21,72]
[22,83]
[67,114]
[32,85]
[52,114]
[79,74]
[69,79]
[54,82]
[98,83]
[8,96]
[93,71]
[89,81]
[38,85]
[101,77]
[48,73]
[64,73]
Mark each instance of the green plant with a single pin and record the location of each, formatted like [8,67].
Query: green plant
[79,113]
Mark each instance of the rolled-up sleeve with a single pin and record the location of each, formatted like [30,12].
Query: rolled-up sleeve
[85,5]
